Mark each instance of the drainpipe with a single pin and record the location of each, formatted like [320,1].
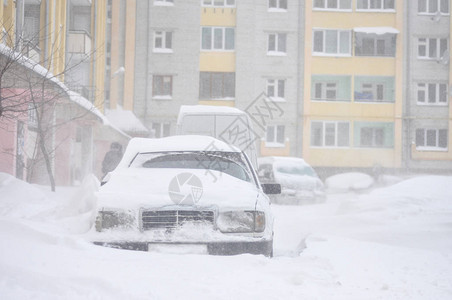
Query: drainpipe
[146,93]
[407,122]
[20,9]
[300,82]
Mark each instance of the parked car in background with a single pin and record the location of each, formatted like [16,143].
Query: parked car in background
[299,182]
[182,194]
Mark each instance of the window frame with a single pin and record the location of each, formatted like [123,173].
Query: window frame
[277,45]
[213,30]
[425,137]
[426,43]
[373,86]
[373,139]
[276,141]
[381,9]
[425,88]
[276,89]
[163,126]
[162,96]
[163,35]
[392,37]
[212,3]
[338,36]
[326,8]
[324,134]
[427,5]
[277,7]
[211,83]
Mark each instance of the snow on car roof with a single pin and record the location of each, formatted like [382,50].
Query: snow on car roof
[173,143]
[281,159]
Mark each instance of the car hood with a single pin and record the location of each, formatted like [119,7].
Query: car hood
[140,187]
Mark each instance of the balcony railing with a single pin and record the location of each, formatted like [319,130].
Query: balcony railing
[79,42]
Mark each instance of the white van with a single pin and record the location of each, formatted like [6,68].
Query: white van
[228,124]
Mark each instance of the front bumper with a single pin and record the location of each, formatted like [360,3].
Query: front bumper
[213,248]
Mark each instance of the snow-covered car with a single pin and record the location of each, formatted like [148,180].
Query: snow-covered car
[185,194]
[299,181]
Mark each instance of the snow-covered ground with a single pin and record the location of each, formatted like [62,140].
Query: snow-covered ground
[389,243]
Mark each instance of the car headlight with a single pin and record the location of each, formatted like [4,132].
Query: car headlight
[107,219]
[241,221]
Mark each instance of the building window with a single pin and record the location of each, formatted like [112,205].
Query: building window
[331,42]
[370,44]
[219,3]
[218,38]
[374,134]
[330,87]
[433,48]
[275,135]
[161,129]
[216,86]
[277,44]
[32,116]
[162,87]
[432,94]
[332,4]
[374,89]
[430,7]
[275,89]
[163,41]
[330,134]
[164,2]
[431,139]
[277,5]
[375,4]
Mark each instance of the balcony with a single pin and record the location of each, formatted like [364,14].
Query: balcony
[79,42]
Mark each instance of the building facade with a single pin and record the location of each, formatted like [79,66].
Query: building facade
[353,98]
[427,110]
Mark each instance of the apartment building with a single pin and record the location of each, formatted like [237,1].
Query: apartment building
[230,53]
[60,71]
[427,110]
[353,76]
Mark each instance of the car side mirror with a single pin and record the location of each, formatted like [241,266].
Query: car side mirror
[271,188]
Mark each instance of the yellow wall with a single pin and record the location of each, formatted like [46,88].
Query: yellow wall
[217,61]
[114,53]
[218,16]
[100,7]
[8,14]
[351,111]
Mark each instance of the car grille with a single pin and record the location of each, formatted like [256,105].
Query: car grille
[155,219]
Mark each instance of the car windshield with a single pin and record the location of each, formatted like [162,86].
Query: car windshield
[231,163]
[296,170]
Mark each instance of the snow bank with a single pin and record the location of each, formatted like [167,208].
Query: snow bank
[352,181]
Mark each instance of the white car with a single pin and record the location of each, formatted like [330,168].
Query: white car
[299,182]
[181,194]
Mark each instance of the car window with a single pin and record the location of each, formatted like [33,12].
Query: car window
[296,170]
[229,163]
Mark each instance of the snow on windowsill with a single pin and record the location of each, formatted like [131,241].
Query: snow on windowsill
[161,50]
[163,3]
[431,149]
[376,10]
[273,9]
[276,53]
[162,97]
[274,145]
[432,104]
